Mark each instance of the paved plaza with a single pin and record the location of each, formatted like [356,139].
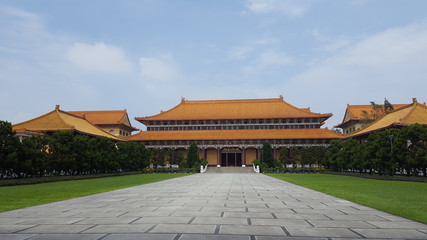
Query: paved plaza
[208,206]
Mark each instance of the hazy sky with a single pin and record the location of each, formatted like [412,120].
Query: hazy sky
[144,56]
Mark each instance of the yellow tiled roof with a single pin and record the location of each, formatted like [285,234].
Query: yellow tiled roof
[407,115]
[58,120]
[317,133]
[105,117]
[234,109]
[355,112]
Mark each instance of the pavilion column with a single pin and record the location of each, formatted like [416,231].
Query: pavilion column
[259,153]
[243,158]
[275,153]
[218,158]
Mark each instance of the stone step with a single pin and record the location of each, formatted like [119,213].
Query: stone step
[214,169]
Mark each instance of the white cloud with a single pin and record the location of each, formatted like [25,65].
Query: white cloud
[19,13]
[268,60]
[160,69]
[99,57]
[290,8]
[388,64]
[240,53]
[330,43]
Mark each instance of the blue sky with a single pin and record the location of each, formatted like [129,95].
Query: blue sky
[144,56]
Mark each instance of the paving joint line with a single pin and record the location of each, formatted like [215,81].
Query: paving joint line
[88,228]
[26,228]
[286,231]
[191,220]
[178,236]
[309,223]
[342,212]
[217,228]
[151,228]
[122,214]
[134,220]
[358,234]
[103,237]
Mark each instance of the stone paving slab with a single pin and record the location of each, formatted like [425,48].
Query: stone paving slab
[209,206]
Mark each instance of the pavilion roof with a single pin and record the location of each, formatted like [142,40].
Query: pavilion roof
[58,120]
[112,117]
[356,112]
[234,109]
[316,133]
[403,116]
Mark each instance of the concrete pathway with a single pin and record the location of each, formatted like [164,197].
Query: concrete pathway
[208,206]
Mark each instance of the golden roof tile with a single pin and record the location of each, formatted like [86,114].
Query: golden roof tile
[357,112]
[58,120]
[112,117]
[404,116]
[234,109]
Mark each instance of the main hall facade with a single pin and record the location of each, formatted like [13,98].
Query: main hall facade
[232,132]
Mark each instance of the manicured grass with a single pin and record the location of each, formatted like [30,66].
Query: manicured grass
[406,199]
[15,197]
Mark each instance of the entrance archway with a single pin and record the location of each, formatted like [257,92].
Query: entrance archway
[231,157]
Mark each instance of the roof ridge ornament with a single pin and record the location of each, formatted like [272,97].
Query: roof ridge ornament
[57,107]
[414,100]
[182,99]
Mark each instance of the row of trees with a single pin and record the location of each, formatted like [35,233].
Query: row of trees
[313,155]
[402,151]
[66,153]
[392,151]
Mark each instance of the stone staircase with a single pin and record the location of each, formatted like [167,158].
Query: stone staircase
[213,169]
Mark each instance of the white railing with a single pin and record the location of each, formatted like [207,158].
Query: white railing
[203,168]
[256,168]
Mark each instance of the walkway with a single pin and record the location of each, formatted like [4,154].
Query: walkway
[208,206]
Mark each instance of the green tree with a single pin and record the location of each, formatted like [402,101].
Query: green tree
[9,148]
[284,156]
[61,146]
[267,155]
[416,156]
[193,156]
[331,156]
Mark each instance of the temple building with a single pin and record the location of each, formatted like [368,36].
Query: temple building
[58,120]
[232,132]
[357,117]
[115,122]
[414,113]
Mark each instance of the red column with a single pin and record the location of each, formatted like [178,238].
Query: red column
[274,153]
[259,153]
[243,157]
[218,158]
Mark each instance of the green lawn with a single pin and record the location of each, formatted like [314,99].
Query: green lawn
[406,199]
[14,197]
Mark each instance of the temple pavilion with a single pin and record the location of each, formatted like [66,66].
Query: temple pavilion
[414,113]
[59,120]
[232,132]
[115,122]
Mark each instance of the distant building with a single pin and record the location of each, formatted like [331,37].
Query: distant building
[232,132]
[357,117]
[404,116]
[58,120]
[115,122]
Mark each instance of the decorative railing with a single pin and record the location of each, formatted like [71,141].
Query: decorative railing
[203,168]
[256,168]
